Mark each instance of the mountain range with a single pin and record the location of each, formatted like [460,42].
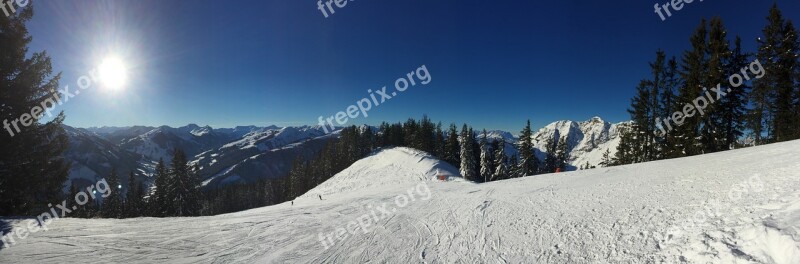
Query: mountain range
[245,154]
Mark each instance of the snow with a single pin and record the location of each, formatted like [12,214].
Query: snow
[387,168]
[740,206]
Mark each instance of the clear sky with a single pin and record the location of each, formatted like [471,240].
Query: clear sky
[494,64]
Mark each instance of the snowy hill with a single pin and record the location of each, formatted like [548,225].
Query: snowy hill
[740,206]
[391,167]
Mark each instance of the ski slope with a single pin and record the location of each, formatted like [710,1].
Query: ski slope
[626,214]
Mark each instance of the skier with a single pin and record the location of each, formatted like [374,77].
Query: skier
[320,197]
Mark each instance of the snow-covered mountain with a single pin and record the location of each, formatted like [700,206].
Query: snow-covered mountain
[93,157]
[248,153]
[740,206]
[587,140]
[261,154]
[226,155]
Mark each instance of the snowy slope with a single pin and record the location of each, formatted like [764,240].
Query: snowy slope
[387,168]
[628,214]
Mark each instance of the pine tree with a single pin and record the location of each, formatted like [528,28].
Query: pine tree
[486,159]
[606,160]
[789,83]
[182,193]
[440,142]
[159,204]
[764,96]
[501,162]
[468,162]
[112,205]
[625,153]
[666,142]
[694,75]
[132,198]
[719,55]
[562,154]
[33,170]
[550,156]
[452,147]
[734,106]
[297,175]
[528,164]
[644,110]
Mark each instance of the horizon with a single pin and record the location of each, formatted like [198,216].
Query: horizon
[294,65]
[515,133]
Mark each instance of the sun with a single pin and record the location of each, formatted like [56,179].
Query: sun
[113,73]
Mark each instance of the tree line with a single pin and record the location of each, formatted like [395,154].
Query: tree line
[759,111]
[175,189]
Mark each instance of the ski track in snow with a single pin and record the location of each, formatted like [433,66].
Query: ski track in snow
[606,215]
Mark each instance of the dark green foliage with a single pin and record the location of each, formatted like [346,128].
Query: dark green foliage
[452,147]
[528,164]
[469,162]
[562,154]
[501,171]
[32,168]
[112,205]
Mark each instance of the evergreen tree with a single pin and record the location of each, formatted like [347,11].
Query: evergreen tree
[643,141]
[440,142]
[694,76]
[625,153]
[159,198]
[528,164]
[764,96]
[606,161]
[468,162]
[486,159]
[112,205]
[452,147]
[550,156]
[182,194]
[789,84]
[666,142]
[501,162]
[132,198]
[32,167]
[734,106]
[719,55]
[297,182]
[562,154]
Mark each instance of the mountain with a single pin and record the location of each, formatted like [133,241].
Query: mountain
[245,154]
[224,155]
[739,206]
[261,154]
[587,140]
[93,157]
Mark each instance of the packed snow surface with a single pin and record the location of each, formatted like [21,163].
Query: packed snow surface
[740,206]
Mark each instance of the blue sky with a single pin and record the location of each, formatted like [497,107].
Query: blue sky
[494,64]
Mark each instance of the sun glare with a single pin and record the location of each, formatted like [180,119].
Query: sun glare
[113,73]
